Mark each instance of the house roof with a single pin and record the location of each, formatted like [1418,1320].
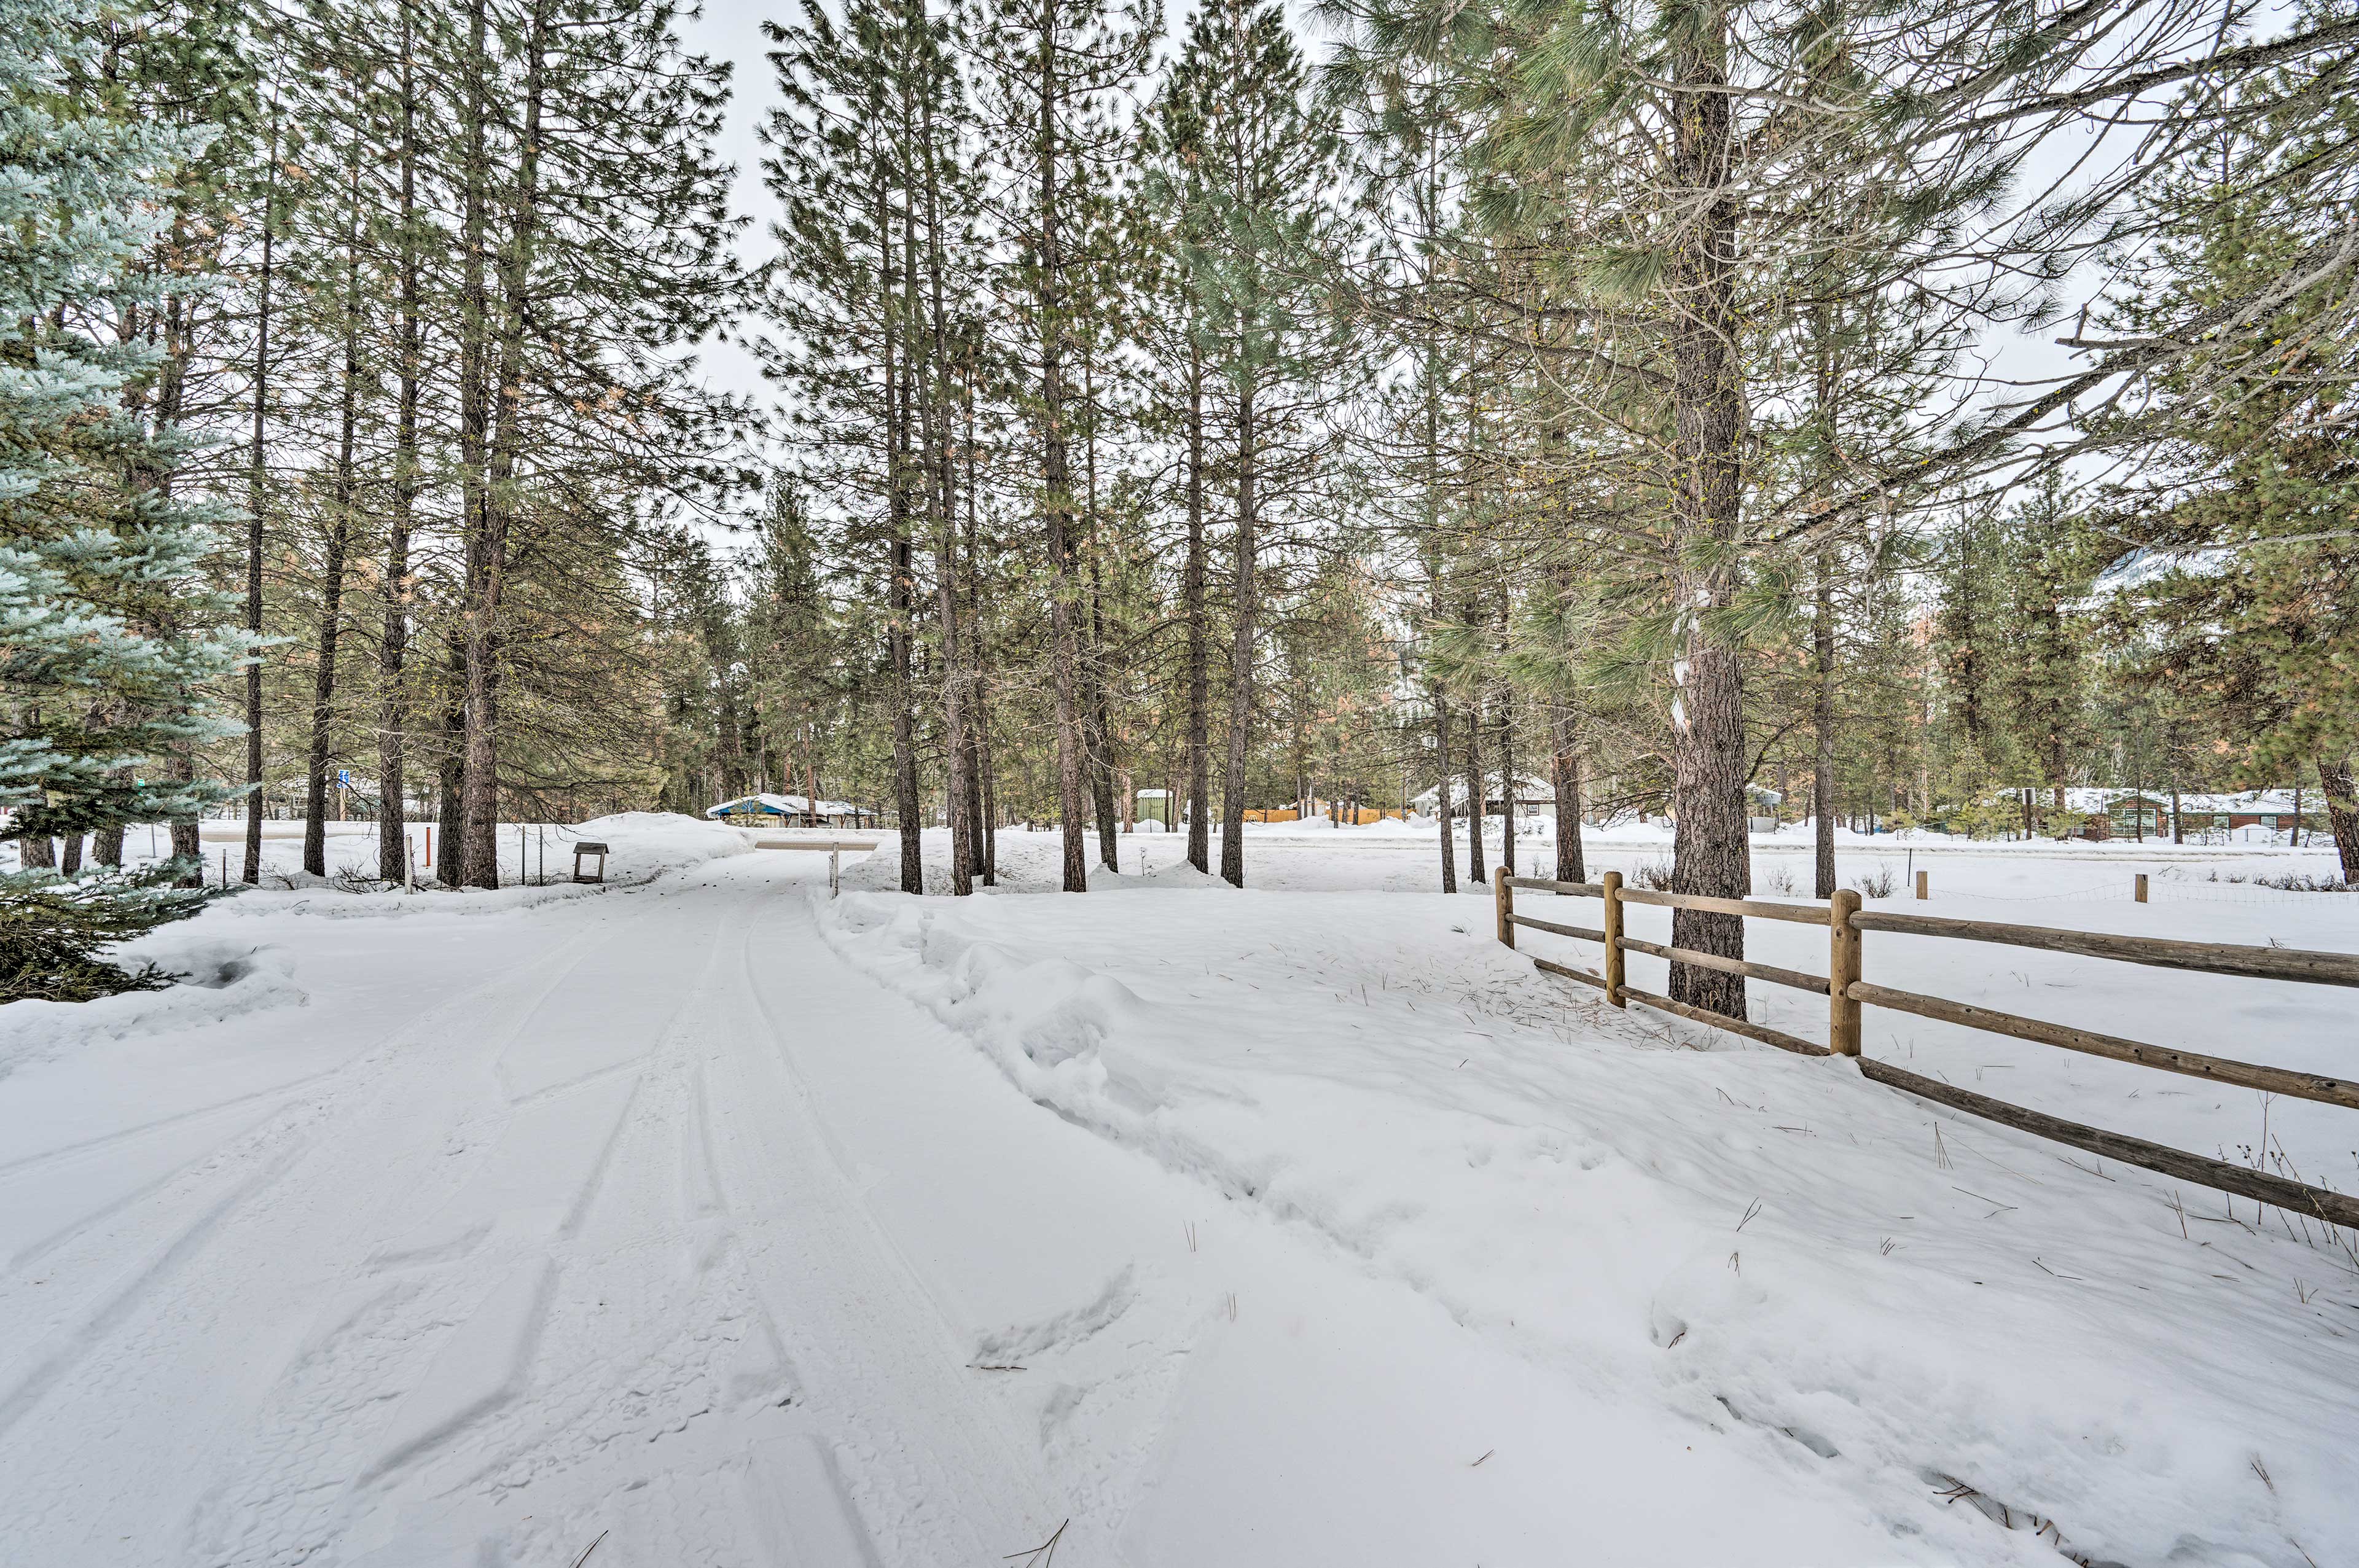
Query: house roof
[2278,801]
[1528,790]
[781,805]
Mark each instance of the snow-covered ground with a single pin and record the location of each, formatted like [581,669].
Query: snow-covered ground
[1299,1226]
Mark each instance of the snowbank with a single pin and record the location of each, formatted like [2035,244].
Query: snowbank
[221,980]
[643,846]
[2006,1352]
[224,977]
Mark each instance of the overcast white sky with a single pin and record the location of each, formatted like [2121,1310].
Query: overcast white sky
[731,30]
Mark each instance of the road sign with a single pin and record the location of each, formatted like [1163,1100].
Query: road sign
[343,778]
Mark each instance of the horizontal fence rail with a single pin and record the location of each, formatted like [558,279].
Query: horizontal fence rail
[2161,952]
[1585,932]
[2245,1075]
[1800,914]
[1847,992]
[2336,1208]
[1750,971]
[1744,1026]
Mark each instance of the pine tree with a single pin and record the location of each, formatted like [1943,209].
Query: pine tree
[1265,162]
[109,632]
[1047,72]
[2041,682]
[2248,606]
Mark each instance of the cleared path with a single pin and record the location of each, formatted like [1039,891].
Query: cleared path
[665,1229]
[569,1237]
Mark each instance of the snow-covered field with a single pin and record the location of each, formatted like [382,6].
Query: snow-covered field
[1299,1226]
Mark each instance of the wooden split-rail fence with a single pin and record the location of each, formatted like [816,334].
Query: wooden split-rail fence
[1847,990]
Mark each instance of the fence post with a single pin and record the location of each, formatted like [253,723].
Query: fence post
[1612,883]
[1503,899]
[1921,877]
[1843,968]
[2140,893]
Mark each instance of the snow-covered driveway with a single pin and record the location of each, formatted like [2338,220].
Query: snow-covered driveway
[563,1251]
[645,1219]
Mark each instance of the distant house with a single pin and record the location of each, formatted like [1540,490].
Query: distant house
[1533,795]
[2131,814]
[787,810]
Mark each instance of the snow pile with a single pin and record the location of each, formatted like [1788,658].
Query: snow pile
[643,846]
[2005,1350]
[1177,875]
[221,980]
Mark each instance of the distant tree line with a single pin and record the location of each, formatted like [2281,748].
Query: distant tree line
[1605,395]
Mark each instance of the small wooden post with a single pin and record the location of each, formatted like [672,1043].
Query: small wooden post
[2140,894]
[1921,877]
[1843,968]
[1613,884]
[834,867]
[1503,899]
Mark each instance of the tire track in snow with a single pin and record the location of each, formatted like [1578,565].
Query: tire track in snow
[923,1456]
[589,1346]
[124,1135]
[295,1208]
[719,1350]
[74,1342]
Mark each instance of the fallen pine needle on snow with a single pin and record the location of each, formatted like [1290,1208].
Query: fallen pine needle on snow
[2001,1208]
[1041,1555]
[1486,1453]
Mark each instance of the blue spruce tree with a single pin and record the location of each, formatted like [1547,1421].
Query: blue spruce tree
[110,634]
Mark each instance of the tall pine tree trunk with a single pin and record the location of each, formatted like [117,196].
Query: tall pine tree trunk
[476,644]
[1477,797]
[254,490]
[1057,499]
[340,532]
[909,808]
[1823,721]
[1241,652]
[1508,788]
[451,782]
[934,387]
[2341,812]
[1710,760]
[1440,701]
[490,562]
[982,797]
[1441,808]
[1099,719]
[1191,597]
[1564,772]
[393,644]
[172,392]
